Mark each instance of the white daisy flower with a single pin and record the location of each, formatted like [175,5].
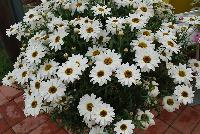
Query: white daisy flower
[21,75]
[36,84]
[48,69]
[52,90]
[100,74]
[58,24]
[136,21]
[97,130]
[95,51]
[165,55]
[12,30]
[90,30]
[56,39]
[33,105]
[182,74]
[110,59]
[78,6]
[32,15]
[146,34]
[69,72]
[147,60]
[8,80]
[146,118]
[165,33]
[87,104]
[103,114]
[170,103]
[80,61]
[101,10]
[142,44]
[184,94]
[102,38]
[124,127]
[197,82]
[34,53]
[122,3]
[128,75]
[145,8]
[170,26]
[194,64]
[170,45]
[89,122]
[153,89]
[114,25]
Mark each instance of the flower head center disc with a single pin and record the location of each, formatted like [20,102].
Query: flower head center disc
[108,61]
[69,71]
[95,53]
[135,20]
[146,33]
[90,30]
[144,9]
[123,127]
[181,74]
[184,94]
[52,90]
[100,73]
[34,104]
[144,117]
[24,74]
[170,102]
[57,39]
[171,44]
[89,106]
[147,59]
[78,4]
[37,85]
[34,54]
[48,67]
[101,9]
[142,45]
[31,16]
[196,64]
[128,74]
[103,113]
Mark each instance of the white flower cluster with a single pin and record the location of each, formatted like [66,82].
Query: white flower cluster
[65,41]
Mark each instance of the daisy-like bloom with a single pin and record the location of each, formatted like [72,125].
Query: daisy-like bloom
[146,118]
[48,69]
[103,114]
[102,38]
[58,24]
[36,84]
[192,20]
[184,94]
[194,64]
[142,44]
[78,6]
[136,21]
[165,33]
[146,34]
[52,90]
[152,89]
[122,3]
[147,60]
[182,74]
[124,127]
[8,80]
[100,74]
[34,53]
[128,75]
[95,51]
[170,103]
[97,130]
[101,10]
[145,8]
[31,16]
[170,45]
[90,123]
[197,81]
[69,72]
[170,26]
[80,61]
[56,39]
[12,30]
[114,25]
[110,59]
[165,55]
[87,104]
[90,30]
[33,105]
[21,75]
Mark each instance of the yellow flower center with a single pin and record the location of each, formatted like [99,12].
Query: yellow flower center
[184,94]
[95,53]
[147,59]
[108,61]
[52,90]
[37,85]
[135,20]
[128,74]
[142,45]
[24,74]
[103,113]
[34,104]
[100,73]
[68,71]
[123,127]
[90,30]
[170,102]
[48,67]
[170,43]
[89,106]
[182,74]
[34,54]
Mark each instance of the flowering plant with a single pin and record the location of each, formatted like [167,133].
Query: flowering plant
[103,65]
